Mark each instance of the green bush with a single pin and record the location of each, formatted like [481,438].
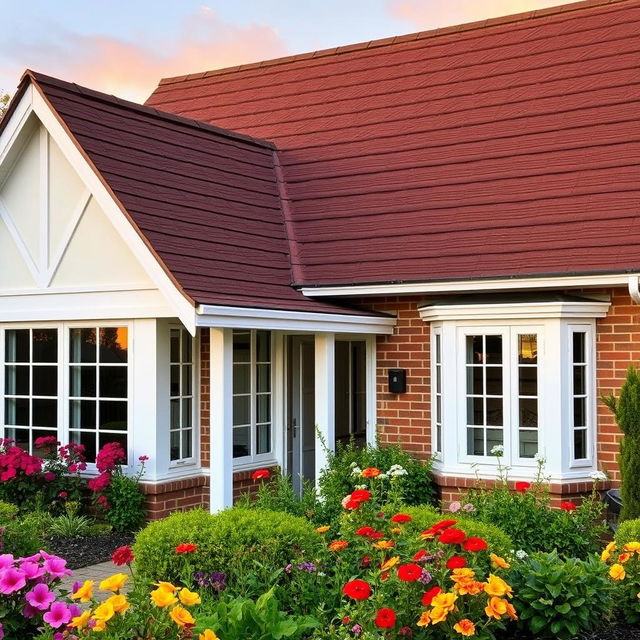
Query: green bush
[560,598]
[20,537]
[425,516]
[337,479]
[628,531]
[248,545]
[70,525]
[126,503]
[8,512]
[39,521]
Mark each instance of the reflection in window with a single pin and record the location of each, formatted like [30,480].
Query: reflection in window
[181,395]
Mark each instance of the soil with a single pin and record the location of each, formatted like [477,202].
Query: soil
[87,550]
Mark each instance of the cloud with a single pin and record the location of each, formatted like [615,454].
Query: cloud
[132,69]
[430,14]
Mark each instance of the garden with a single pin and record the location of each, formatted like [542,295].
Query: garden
[366,556]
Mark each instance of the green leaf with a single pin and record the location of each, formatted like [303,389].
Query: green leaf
[537,624]
[564,608]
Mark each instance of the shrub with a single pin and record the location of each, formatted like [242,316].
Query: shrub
[246,544]
[628,531]
[20,537]
[626,410]
[339,477]
[560,598]
[40,521]
[70,525]
[8,512]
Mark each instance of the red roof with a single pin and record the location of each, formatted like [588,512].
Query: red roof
[205,200]
[509,147]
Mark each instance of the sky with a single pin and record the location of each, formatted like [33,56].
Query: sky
[124,47]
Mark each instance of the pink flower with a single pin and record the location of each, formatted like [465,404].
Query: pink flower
[29,612]
[11,580]
[58,615]
[1,631]
[63,494]
[454,507]
[73,467]
[56,567]
[143,458]
[49,476]
[40,597]
[468,507]
[6,560]
[100,483]
[8,474]
[32,570]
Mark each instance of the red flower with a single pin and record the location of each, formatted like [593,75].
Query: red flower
[452,536]
[365,562]
[352,505]
[365,531]
[418,556]
[122,555]
[430,595]
[568,506]
[456,562]
[371,472]
[376,535]
[186,547]
[346,620]
[409,572]
[361,495]
[384,576]
[406,631]
[357,590]
[386,619]
[260,474]
[49,476]
[63,494]
[474,544]
[443,524]
[522,487]
[401,518]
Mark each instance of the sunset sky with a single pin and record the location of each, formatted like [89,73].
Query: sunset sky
[125,46]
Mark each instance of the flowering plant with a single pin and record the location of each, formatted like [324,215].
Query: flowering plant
[624,570]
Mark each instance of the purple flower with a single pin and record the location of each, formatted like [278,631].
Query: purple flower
[76,585]
[309,567]
[58,615]
[29,612]
[468,507]
[56,567]
[6,561]
[454,507]
[288,568]
[11,580]
[40,597]
[218,581]
[75,610]
[425,577]
[356,629]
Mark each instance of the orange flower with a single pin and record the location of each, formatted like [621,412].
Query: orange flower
[498,562]
[396,530]
[511,611]
[186,547]
[465,627]
[384,544]
[323,529]
[338,545]
[371,472]
[425,619]
[496,586]
[390,563]
[496,608]
[623,557]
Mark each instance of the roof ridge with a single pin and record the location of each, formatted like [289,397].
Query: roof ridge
[418,35]
[40,78]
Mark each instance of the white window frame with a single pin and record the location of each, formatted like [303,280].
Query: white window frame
[253,460]
[63,365]
[437,367]
[195,399]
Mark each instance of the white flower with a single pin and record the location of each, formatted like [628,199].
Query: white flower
[539,458]
[497,450]
[521,554]
[353,465]
[396,470]
[356,471]
[454,507]
[598,475]
[322,574]
[383,476]
[361,486]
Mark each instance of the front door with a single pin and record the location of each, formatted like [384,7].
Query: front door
[301,437]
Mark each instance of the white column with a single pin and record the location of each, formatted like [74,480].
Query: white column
[371,386]
[325,373]
[554,409]
[221,432]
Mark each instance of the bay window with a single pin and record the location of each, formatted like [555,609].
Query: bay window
[181,397]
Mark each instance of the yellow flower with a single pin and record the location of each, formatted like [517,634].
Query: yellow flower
[114,583]
[189,598]
[167,586]
[384,544]
[322,529]
[610,547]
[425,619]
[605,555]
[85,592]
[119,603]
[162,598]
[104,612]
[463,574]
[498,562]
[99,625]
[396,530]
[208,635]
[632,547]
[465,627]
[623,557]
[496,586]
[445,601]
[617,572]
[181,616]
[496,608]
[391,562]
[81,621]
[438,614]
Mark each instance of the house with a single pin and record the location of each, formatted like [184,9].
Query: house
[265,250]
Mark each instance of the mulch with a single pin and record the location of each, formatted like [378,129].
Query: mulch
[87,550]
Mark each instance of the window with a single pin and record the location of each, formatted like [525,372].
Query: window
[181,395]
[437,394]
[252,397]
[63,380]
[351,391]
[579,390]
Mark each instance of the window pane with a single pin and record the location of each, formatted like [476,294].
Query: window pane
[186,346]
[438,409]
[45,413]
[113,344]
[19,436]
[263,344]
[494,412]
[241,346]
[16,411]
[580,444]
[475,442]
[494,349]
[528,381]
[82,414]
[438,347]
[82,346]
[241,410]
[475,411]
[45,345]
[528,348]
[579,352]
[16,381]
[241,442]
[186,413]
[17,345]
[174,341]
[187,379]
[263,409]
[89,442]
[82,382]
[113,382]
[263,438]
[579,380]
[475,350]
[528,444]
[175,445]
[528,413]
[494,438]
[174,385]
[187,435]
[494,381]
[263,378]
[113,415]
[475,381]
[241,378]
[175,413]
[45,381]
[579,412]
[438,379]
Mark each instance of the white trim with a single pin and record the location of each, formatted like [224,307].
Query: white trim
[325,403]
[250,318]
[514,311]
[490,284]
[371,397]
